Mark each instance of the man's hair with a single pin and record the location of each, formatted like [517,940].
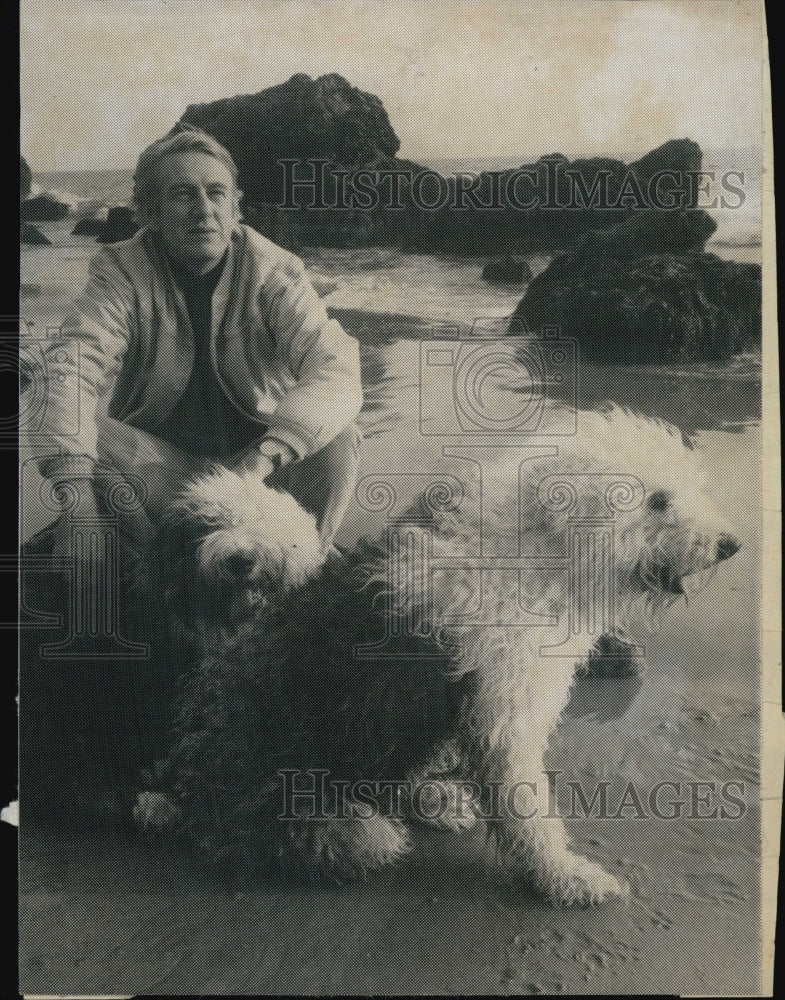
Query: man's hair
[187,139]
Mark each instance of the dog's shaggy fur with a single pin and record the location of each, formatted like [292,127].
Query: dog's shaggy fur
[275,625]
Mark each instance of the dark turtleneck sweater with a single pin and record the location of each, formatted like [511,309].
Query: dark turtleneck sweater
[204,422]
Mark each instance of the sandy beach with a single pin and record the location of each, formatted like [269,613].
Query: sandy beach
[117,915]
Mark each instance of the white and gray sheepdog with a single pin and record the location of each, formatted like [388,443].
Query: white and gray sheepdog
[480,657]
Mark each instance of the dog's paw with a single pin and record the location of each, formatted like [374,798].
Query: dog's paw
[581,883]
[445,805]
[347,849]
[155,812]
[556,872]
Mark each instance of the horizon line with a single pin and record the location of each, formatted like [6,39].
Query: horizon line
[435,159]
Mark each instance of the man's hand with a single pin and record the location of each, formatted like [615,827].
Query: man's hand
[263,458]
[254,463]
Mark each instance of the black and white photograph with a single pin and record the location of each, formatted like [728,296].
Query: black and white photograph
[398,499]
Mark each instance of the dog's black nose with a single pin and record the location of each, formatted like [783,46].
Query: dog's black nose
[240,563]
[727,546]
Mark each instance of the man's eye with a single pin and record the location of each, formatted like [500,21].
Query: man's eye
[218,194]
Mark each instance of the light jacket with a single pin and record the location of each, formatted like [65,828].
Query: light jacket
[128,337]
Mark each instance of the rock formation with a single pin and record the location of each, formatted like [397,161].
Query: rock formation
[29,234]
[89,227]
[507,270]
[646,233]
[43,208]
[318,161]
[656,308]
[25,179]
[120,225]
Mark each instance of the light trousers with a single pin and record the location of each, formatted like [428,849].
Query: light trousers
[155,471]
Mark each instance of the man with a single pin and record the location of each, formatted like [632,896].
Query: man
[198,339]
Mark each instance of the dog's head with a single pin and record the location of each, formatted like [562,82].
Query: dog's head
[684,539]
[227,545]
[627,494]
[669,535]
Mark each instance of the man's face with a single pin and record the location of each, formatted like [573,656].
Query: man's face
[197,211]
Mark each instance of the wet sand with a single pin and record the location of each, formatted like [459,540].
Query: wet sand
[118,915]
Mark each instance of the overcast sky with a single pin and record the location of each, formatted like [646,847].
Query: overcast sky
[101,80]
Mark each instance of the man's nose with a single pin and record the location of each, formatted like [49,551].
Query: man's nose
[201,204]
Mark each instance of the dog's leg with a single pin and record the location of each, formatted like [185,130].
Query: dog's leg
[518,705]
[438,796]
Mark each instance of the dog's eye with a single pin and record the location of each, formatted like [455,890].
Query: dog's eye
[659,500]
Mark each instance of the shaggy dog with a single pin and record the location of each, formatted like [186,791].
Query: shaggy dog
[434,667]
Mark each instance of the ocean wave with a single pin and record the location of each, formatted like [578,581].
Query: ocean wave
[64,197]
[742,241]
[335,261]
[80,206]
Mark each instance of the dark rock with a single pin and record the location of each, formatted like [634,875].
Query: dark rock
[338,140]
[681,155]
[25,179]
[274,223]
[29,234]
[89,227]
[301,119]
[120,225]
[548,205]
[641,234]
[507,270]
[661,308]
[43,208]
